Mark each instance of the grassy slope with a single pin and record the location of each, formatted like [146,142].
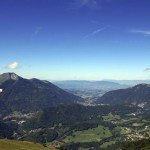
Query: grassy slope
[21,145]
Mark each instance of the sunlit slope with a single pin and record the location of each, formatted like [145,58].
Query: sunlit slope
[21,145]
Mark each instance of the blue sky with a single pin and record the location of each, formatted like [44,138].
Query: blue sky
[75,39]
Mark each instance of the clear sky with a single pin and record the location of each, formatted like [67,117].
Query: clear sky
[75,39]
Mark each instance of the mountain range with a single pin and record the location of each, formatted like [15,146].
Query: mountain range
[130,82]
[19,94]
[48,114]
[89,85]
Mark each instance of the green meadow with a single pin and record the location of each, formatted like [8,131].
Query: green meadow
[94,134]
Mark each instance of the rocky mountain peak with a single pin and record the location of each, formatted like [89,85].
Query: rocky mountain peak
[8,76]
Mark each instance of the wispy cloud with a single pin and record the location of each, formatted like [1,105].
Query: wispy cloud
[95,32]
[37,30]
[147,69]
[93,4]
[143,32]
[13,65]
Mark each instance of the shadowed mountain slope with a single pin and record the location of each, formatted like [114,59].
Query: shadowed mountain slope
[137,95]
[19,94]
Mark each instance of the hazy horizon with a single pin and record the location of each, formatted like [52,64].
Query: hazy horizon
[122,81]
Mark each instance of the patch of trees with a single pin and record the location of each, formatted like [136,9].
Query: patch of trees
[7,129]
[137,145]
[75,116]
[76,146]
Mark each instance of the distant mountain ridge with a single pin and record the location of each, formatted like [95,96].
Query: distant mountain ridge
[130,82]
[19,94]
[137,95]
[89,85]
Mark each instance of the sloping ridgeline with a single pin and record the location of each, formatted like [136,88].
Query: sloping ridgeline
[19,94]
[138,95]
